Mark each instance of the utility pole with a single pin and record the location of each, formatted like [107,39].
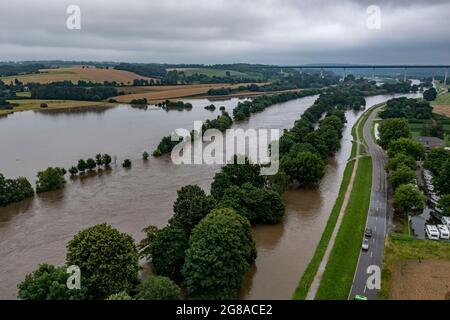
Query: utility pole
[345,74]
[321,72]
[373,73]
[404,74]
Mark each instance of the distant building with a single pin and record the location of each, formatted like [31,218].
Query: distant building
[430,143]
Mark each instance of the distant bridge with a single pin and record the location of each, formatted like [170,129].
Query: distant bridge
[373,67]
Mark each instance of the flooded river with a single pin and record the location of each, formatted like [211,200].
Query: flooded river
[37,230]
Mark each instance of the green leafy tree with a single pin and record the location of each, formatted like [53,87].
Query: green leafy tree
[166,248]
[278,182]
[82,165]
[406,146]
[305,167]
[126,163]
[220,252]
[402,175]
[107,257]
[73,171]
[393,129]
[430,94]
[158,288]
[14,190]
[99,160]
[106,160]
[408,197]
[91,164]
[256,204]
[401,159]
[49,283]
[435,159]
[442,180]
[145,156]
[191,206]
[50,179]
[444,205]
[236,174]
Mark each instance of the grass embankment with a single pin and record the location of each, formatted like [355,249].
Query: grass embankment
[310,272]
[30,104]
[405,248]
[308,276]
[338,275]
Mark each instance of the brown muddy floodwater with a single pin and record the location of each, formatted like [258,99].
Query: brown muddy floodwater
[37,230]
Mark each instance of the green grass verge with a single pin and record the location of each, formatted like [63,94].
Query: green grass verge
[402,247]
[442,99]
[310,272]
[338,276]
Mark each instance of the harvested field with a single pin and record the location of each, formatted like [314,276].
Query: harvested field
[443,109]
[75,74]
[420,280]
[160,93]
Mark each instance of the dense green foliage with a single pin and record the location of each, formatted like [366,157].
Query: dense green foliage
[49,283]
[430,94]
[393,129]
[120,296]
[407,108]
[66,90]
[408,197]
[14,190]
[191,206]
[402,175]
[401,159]
[107,257]
[435,159]
[220,252]
[305,167]
[236,173]
[444,205]
[176,105]
[259,205]
[126,163]
[158,288]
[442,180]
[166,249]
[50,179]
[406,146]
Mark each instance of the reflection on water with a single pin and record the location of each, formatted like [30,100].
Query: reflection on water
[37,230]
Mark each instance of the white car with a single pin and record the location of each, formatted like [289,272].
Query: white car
[443,231]
[365,244]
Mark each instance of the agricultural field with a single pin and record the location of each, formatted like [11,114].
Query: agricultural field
[415,269]
[442,104]
[75,74]
[160,93]
[216,72]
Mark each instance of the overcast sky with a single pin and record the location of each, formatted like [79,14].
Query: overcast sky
[227,31]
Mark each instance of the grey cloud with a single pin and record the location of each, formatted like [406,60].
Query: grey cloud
[221,31]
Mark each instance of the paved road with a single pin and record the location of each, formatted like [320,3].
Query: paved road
[377,217]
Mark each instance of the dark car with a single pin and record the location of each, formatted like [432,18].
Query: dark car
[368,233]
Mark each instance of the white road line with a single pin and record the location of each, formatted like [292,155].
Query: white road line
[371,254]
[375,229]
[365,287]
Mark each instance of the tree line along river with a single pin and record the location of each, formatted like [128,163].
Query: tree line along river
[37,230]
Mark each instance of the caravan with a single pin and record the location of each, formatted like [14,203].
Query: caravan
[443,232]
[432,232]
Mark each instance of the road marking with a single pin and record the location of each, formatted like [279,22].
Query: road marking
[365,287]
[371,254]
[373,240]
[375,229]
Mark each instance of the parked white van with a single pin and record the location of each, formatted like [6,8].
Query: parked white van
[443,231]
[432,232]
